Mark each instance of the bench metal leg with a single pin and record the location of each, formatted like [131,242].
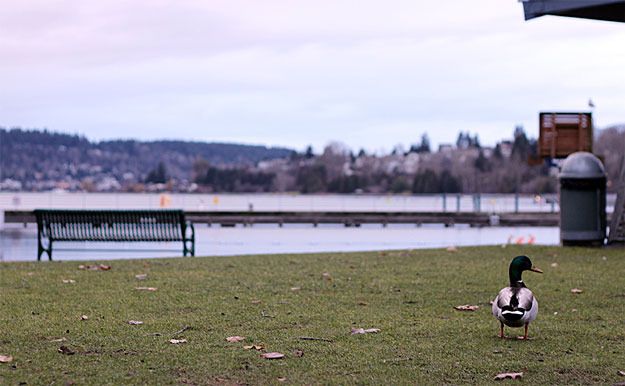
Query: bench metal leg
[185,247]
[40,248]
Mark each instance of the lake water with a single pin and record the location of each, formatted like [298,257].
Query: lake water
[20,244]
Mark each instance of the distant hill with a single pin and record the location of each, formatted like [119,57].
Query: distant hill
[39,155]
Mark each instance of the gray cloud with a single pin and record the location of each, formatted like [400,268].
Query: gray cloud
[293,73]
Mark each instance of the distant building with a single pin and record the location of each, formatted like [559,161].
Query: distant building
[506,148]
[445,148]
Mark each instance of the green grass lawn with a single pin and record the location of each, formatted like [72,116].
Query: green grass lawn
[274,300]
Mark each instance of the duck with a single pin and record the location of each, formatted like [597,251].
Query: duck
[516,305]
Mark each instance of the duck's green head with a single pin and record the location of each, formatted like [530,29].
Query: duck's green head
[518,265]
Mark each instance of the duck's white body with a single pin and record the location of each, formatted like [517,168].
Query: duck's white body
[515,306]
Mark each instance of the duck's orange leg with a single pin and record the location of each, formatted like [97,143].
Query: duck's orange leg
[501,335]
[524,337]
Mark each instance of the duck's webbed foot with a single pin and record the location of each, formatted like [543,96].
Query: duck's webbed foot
[524,337]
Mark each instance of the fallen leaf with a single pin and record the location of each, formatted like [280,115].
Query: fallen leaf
[356,331]
[282,379]
[141,276]
[146,288]
[234,339]
[6,358]
[59,340]
[135,322]
[298,353]
[452,248]
[69,281]
[95,267]
[577,291]
[326,276]
[84,317]
[257,347]
[554,265]
[621,373]
[296,288]
[256,301]
[501,376]
[66,350]
[177,341]
[272,355]
[466,307]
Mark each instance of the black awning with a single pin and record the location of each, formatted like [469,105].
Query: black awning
[609,10]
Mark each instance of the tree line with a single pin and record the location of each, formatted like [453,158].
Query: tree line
[464,167]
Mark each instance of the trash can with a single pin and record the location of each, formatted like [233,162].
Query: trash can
[582,200]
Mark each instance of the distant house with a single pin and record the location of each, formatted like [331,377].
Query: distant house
[506,148]
[445,148]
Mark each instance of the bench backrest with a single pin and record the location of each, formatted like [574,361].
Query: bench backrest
[111,225]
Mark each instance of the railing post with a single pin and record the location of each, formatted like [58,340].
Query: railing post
[444,202]
[516,202]
[458,202]
[476,203]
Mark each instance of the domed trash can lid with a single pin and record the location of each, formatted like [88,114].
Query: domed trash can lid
[582,165]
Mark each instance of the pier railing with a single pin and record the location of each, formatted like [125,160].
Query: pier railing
[468,203]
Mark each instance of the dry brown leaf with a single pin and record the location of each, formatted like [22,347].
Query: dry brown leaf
[177,341]
[69,281]
[326,276]
[59,340]
[282,379]
[95,267]
[296,288]
[84,317]
[146,288]
[6,358]
[256,301]
[554,265]
[66,350]
[467,307]
[361,303]
[256,347]
[141,276]
[501,376]
[135,322]
[577,291]
[272,355]
[356,331]
[234,339]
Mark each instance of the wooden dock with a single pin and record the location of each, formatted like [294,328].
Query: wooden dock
[247,218]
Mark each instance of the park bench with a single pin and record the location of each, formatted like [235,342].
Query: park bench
[113,225]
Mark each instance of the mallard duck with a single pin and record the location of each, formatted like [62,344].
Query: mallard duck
[516,306]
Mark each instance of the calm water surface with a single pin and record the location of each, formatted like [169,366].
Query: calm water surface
[20,244]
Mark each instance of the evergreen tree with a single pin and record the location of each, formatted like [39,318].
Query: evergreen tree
[309,152]
[158,175]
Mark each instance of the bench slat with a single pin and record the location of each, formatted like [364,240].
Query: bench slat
[113,225]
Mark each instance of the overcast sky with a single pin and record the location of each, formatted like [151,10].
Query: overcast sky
[367,73]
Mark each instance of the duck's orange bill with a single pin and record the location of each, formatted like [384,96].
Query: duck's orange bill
[534,269]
